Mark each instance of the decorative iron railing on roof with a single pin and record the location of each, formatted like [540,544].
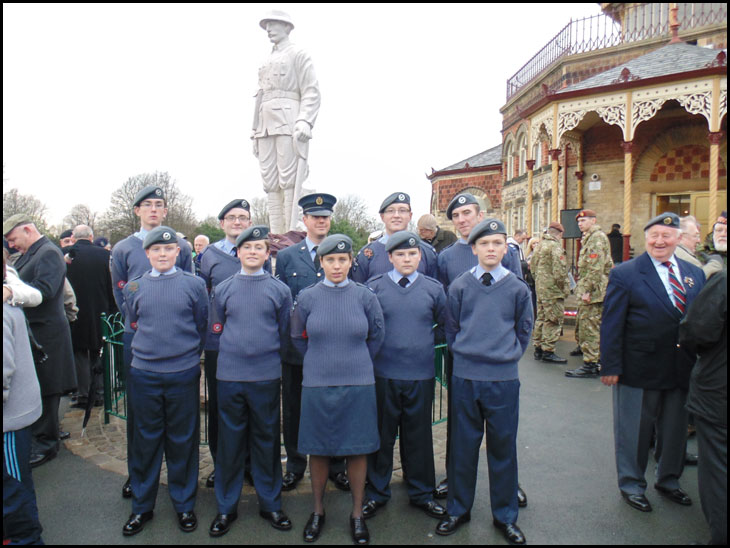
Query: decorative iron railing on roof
[627,24]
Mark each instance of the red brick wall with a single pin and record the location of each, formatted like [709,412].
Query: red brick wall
[490,183]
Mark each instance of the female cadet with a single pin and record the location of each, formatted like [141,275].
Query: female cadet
[337,325]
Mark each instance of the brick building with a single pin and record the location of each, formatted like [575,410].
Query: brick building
[624,113]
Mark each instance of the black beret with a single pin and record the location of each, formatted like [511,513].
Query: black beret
[336,243]
[258,232]
[395,198]
[318,204]
[402,240]
[238,202]
[66,234]
[151,191]
[461,200]
[486,228]
[670,220]
[160,235]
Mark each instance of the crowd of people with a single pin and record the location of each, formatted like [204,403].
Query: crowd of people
[333,348]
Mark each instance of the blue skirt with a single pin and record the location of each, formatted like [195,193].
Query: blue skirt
[338,421]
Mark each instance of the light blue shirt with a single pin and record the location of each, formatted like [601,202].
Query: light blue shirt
[310,246]
[384,239]
[663,272]
[155,273]
[497,274]
[260,272]
[141,234]
[329,283]
[396,276]
[225,246]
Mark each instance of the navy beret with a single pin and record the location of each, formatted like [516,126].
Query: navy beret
[238,202]
[486,228]
[670,220]
[402,240]
[258,232]
[151,191]
[318,204]
[461,200]
[66,234]
[160,235]
[336,243]
[395,198]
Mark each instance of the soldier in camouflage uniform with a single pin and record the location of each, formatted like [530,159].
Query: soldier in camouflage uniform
[594,264]
[550,269]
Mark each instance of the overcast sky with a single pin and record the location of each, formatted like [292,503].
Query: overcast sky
[94,94]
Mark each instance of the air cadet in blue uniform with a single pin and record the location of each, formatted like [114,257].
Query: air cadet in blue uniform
[412,304]
[465,212]
[488,328]
[253,309]
[395,212]
[168,308]
[298,267]
[219,262]
[128,261]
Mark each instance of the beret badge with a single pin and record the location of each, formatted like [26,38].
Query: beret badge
[341,245]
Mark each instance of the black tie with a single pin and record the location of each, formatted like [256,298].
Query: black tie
[487,279]
[316,258]
[403,281]
[234,252]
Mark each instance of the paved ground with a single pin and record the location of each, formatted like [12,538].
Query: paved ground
[566,468]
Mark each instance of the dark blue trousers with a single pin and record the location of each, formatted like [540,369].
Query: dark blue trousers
[167,418]
[474,404]
[20,513]
[248,422]
[405,407]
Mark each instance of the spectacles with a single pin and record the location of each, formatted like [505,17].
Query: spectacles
[234,218]
[399,211]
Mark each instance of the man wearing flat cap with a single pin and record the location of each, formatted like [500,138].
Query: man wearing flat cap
[643,361]
[594,264]
[129,261]
[287,104]
[550,268]
[395,212]
[41,266]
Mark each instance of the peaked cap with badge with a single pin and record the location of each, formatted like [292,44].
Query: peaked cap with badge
[317,204]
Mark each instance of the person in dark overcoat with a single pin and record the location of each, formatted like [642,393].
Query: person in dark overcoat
[41,266]
[88,271]
[645,300]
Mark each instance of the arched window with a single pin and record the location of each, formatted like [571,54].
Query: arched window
[522,151]
[510,154]
[537,155]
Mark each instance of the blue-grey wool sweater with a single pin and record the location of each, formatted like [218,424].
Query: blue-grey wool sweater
[410,314]
[169,314]
[338,330]
[254,313]
[458,258]
[488,328]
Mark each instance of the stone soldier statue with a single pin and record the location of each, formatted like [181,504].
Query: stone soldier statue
[287,104]
[550,269]
[594,264]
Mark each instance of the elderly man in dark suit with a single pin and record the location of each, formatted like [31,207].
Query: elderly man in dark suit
[88,271]
[41,266]
[645,300]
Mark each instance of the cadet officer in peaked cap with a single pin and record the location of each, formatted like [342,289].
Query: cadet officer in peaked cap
[298,267]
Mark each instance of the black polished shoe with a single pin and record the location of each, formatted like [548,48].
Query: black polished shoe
[135,523]
[370,508]
[576,351]
[450,524]
[675,495]
[359,529]
[187,521]
[511,532]
[290,481]
[127,489]
[588,370]
[341,482]
[538,353]
[432,508]
[278,520]
[639,502]
[63,435]
[221,524]
[521,497]
[37,459]
[552,357]
[210,480]
[442,489]
[690,459]
[314,527]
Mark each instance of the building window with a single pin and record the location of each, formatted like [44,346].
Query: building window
[522,151]
[520,218]
[537,155]
[510,153]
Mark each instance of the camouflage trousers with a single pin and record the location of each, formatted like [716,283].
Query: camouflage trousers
[588,332]
[548,324]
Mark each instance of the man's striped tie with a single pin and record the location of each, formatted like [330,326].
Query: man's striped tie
[680,298]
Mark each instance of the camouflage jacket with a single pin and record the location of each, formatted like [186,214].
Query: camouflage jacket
[549,267]
[594,264]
